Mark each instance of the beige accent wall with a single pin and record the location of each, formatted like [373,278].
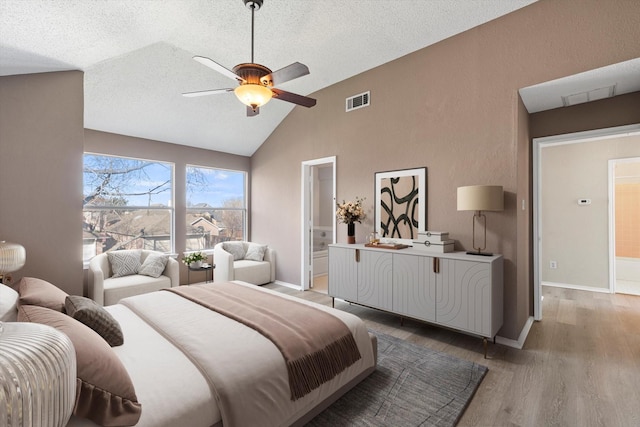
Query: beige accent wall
[577,236]
[41,137]
[627,195]
[454,108]
[180,156]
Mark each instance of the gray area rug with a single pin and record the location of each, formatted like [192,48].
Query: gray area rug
[412,386]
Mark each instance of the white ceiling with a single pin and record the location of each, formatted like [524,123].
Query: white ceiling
[136,54]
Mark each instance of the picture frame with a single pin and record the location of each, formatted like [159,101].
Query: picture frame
[401,204]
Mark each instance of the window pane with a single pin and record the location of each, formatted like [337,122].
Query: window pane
[120,181]
[216,207]
[205,228]
[113,229]
[127,204]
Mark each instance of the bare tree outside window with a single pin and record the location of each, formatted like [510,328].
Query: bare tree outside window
[127,203]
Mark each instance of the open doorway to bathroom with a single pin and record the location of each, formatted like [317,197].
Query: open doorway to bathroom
[319,221]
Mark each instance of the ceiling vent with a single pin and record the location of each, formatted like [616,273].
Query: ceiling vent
[358,101]
[592,95]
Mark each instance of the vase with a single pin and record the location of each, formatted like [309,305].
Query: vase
[351,232]
[196,264]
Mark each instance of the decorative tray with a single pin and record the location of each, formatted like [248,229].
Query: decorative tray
[386,245]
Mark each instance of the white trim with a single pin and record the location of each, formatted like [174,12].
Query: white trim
[288,285]
[577,287]
[538,145]
[521,338]
[305,197]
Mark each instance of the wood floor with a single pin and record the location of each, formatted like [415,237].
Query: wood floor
[580,365]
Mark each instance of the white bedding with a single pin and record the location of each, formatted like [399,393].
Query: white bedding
[224,355]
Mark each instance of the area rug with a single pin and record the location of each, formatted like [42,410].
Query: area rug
[412,386]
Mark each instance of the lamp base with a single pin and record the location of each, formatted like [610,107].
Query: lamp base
[479,253]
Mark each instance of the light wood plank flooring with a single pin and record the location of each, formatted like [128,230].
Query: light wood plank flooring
[580,365]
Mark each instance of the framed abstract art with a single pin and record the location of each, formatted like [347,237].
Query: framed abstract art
[401,204]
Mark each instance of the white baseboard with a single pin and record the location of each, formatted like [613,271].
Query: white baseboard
[521,339]
[576,287]
[288,285]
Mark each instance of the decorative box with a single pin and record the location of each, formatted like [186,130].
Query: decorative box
[439,247]
[433,236]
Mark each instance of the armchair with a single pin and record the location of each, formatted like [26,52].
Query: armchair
[246,261]
[105,289]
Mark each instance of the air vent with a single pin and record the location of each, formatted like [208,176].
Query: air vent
[358,101]
[592,95]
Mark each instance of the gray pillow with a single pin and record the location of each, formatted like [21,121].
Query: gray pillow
[154,265]
[89,313]
[255,252]
[234,248]
[124,263]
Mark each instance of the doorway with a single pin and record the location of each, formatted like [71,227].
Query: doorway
[624,218]
[575,206]
[319,221]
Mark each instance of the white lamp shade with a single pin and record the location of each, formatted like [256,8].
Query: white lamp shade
[12,257]
[253,95]
[481,198]
[38,371]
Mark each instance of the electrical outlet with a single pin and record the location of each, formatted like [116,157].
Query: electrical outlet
[553,264]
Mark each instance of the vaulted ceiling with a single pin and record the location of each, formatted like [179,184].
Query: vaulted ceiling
[137,54]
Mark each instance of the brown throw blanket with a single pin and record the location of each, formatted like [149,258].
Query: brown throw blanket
[316,346]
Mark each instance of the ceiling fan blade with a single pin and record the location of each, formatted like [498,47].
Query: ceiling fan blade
[206,92]
[251,113]
[283,95]
[285,74]
[217,67]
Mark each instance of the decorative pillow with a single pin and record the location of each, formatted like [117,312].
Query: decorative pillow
[8,304]
[89,313]
[154,265]
[255,252]
[234,248]
[124,263]
[42,293]
[105,393]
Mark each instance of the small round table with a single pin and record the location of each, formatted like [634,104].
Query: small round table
[207,268]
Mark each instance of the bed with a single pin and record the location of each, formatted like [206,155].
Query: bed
[193,366]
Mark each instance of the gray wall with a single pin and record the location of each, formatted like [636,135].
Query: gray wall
[577,236]
[454,108]
[41,139]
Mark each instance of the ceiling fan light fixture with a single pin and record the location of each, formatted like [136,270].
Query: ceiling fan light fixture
[253,95]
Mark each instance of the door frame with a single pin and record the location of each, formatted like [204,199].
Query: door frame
[307,216]
[538,145]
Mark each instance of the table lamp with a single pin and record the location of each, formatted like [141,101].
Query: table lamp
[480,198]
[12,258]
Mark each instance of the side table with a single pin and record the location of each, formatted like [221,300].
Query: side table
[208,272]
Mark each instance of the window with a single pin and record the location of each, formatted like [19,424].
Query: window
[127,204]
[216,207]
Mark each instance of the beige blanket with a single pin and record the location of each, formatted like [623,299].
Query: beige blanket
[315,345]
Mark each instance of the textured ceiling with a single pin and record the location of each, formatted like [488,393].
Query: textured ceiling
[136,54]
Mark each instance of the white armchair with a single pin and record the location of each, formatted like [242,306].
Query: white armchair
[107,290]
[250,262]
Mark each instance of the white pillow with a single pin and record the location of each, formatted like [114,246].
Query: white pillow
[124,263]
[8,304]
[154,265]
[255,252]
[234,248]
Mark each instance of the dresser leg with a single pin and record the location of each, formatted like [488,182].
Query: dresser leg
[484,343]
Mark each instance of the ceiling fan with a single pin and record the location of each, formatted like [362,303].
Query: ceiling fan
[257,81]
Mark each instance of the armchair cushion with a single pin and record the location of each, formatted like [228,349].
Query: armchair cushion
[154,265]
[255,252]
[124,263]
[236,249]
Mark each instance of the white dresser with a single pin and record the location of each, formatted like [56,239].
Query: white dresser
[456,290]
